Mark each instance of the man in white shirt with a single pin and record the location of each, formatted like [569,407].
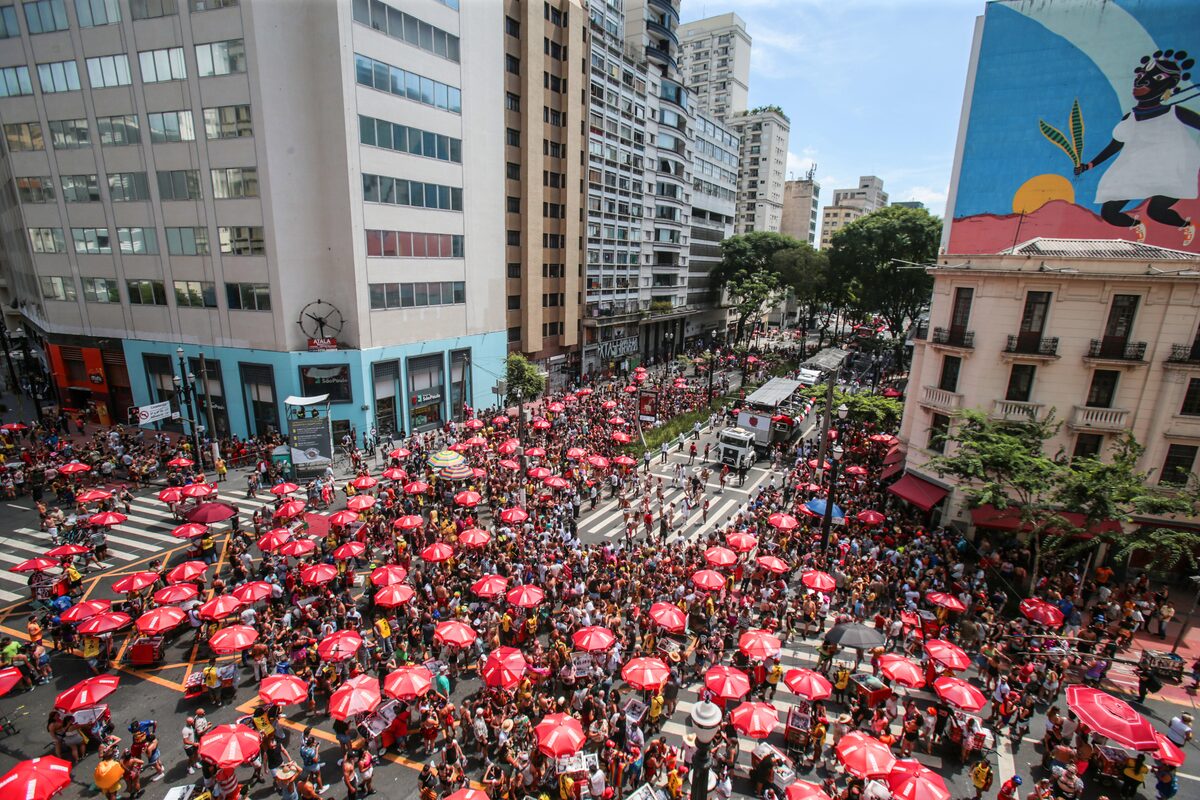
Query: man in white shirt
[1179,731]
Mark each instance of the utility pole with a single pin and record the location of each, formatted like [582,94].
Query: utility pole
[212,425]
[827,418]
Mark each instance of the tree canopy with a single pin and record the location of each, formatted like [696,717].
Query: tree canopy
[524,380]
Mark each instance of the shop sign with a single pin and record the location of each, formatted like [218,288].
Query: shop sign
[615,348]
[321,345]
[331,379]
[425,398]
[648,406]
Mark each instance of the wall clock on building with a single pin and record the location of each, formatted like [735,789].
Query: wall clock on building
[321,323]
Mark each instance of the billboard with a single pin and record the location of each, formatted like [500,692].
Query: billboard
[312,445]
[1081,122]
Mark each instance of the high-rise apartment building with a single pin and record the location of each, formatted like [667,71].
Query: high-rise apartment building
[850,204]
[714,57]
[268,185]
[801,200]
[545,73]
[763,163]
[714,201]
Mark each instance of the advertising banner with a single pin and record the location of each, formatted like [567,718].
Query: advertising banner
[648,406]
[331,379]
[312,445]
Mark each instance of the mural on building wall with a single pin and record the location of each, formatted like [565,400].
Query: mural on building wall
[1084,123]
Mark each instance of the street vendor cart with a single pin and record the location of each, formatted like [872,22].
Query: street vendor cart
[384,726]
[870,688]
[783,774]
[1109,762]
[980,737]
[1164,665]
[146,651]
[796,730]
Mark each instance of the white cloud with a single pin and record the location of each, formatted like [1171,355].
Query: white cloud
[934,199]
[798,165]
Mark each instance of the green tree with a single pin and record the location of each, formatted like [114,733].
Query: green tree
[805,271]
[524,380]
[750,253]
[752,293]
[866,258]
[884,412]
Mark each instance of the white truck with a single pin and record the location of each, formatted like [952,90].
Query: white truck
[735,447]
[770,412]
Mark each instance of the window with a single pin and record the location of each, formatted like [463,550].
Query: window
[248,296]
[138,241]
[512,171]
[35,190]
[227,122]
[403,139]
[1088,445]
[514,334]
[939,429]
[1020,383]
[950,369]
[146,293]
[59,76]
[128,187]
[195,294]
[512,137]
[149,9]
[401,192]
[514,269]
[56,288]
[512,64]
[119,131]
[1177,467]
[514,302]
[1103,388]
[386,78]
[171,126]
[513,238]
[105,71]
[512,102]
[187,241]
[406,28]
[8,23]
[1120,316]
[234,182]
[45,16]
[386,296]
[101,290]
[21,136]
[242,240]
[15,82]
[210,5]
[1191,399]
[1037,308]
[94,13]
[512,27]
[405,244]
[79,188]
[91,241]
[162,65]
[513,205]
[70,134]
[179,184]
[221,58]
[47,240]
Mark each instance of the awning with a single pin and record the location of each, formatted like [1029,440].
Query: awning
[921,493]
[895,455]
[305,401]
[1009,519]
[890,470]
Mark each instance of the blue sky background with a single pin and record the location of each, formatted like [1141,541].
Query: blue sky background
[872,87]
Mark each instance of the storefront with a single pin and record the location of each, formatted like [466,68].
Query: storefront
[210,391]
[386,380]
[160,376]
[460,377]
[90,380]
[426,391]
[258,388]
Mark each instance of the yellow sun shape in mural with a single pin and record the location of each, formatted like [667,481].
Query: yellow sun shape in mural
[1041,189]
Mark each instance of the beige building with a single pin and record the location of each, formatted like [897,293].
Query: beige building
[1103,334]
[764,135]
[850,204]
[714,57]
[801,200]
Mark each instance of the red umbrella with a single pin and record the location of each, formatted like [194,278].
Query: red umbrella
[220,607]
[630,389]
[870,517]
[227,746]
[490,586]
[513,515]
[912,780]
[392,595]
[727,683]
[538,473]
[1112,717]
[281,489]
[621,438]
[360,502]
[438,551]
[593,638]
[104,623]
[199,490]
[209,513]
[467,499]
[803,790]
[555,408]
[959,693]
[92,496]
[508,463]
[282,690]
[473,537]
[289,509]
[135,582]
[808,683]
[359,695]
[159,620]
[339,646]
[818,581]
[741,541]
[720,557]
[232,639]
[624,461]
[525,596]
[172,494]
[508,447]
[399,453]
[709,580]
[88,608]
[187,571]
[349,550]
[473,424]
[645,672]
[864,756]
[297,547]
[499,419]
[583,392]
[783,522]
[557,482]
[1041,612]
[669,617]
[409,522]
[10,677]
[756,720]
[408,682]
[87,693]
[559,735]
[416,487]
[504,667]
[616,420]
[535,452]
[274,539]
[812,463]
[599,462]
[388,574]
[1168,752]
[364,482]
[541,425]
[73,468]
[318,574]
[189,530]
[36,779]
[253,592]
[395,474]
[40,564]
[454,633]
[947,601]
[949,655]
[901,670]
[773,564]
[759,644]
[106,519]
[66,551]
[14,427]
[180,461]
[179,593]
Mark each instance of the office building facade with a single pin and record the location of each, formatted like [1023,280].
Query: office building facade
[764,135]
[851,204]
[801,216]
[714,58]
[714,202]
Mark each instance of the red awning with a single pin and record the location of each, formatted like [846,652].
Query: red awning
[890,470]
[895,455]
[1009,519]
[921,493]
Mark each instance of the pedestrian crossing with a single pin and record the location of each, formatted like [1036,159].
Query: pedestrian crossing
[147,531]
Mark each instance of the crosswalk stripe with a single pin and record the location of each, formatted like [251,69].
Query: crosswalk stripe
[34,548]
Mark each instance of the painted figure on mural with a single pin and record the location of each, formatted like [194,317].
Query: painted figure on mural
[1156,149]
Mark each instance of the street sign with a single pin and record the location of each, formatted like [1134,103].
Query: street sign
[153,413]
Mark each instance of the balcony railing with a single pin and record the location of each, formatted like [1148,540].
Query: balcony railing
[921,331]
[1030,346]
[1117,350]
[953,337]
[1015,410]
[1100,419]
[940,398]
[1184,354]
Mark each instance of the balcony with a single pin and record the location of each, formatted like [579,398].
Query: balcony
[1111,420]
[921,331]
[953,337]
[661,56]
[1032,346]
[1116,351]
[1015,410]
[662,30]
[1184,356]
[941,399]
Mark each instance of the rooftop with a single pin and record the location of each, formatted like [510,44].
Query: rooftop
[1097,248]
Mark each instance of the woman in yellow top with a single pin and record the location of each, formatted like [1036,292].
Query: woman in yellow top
[1134,776]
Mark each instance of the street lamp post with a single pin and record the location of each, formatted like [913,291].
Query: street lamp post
[706,720]
[834,377]
[835,456]
[670,337]
[185,382]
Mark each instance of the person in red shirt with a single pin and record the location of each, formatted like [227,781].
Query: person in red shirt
[1009,789]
